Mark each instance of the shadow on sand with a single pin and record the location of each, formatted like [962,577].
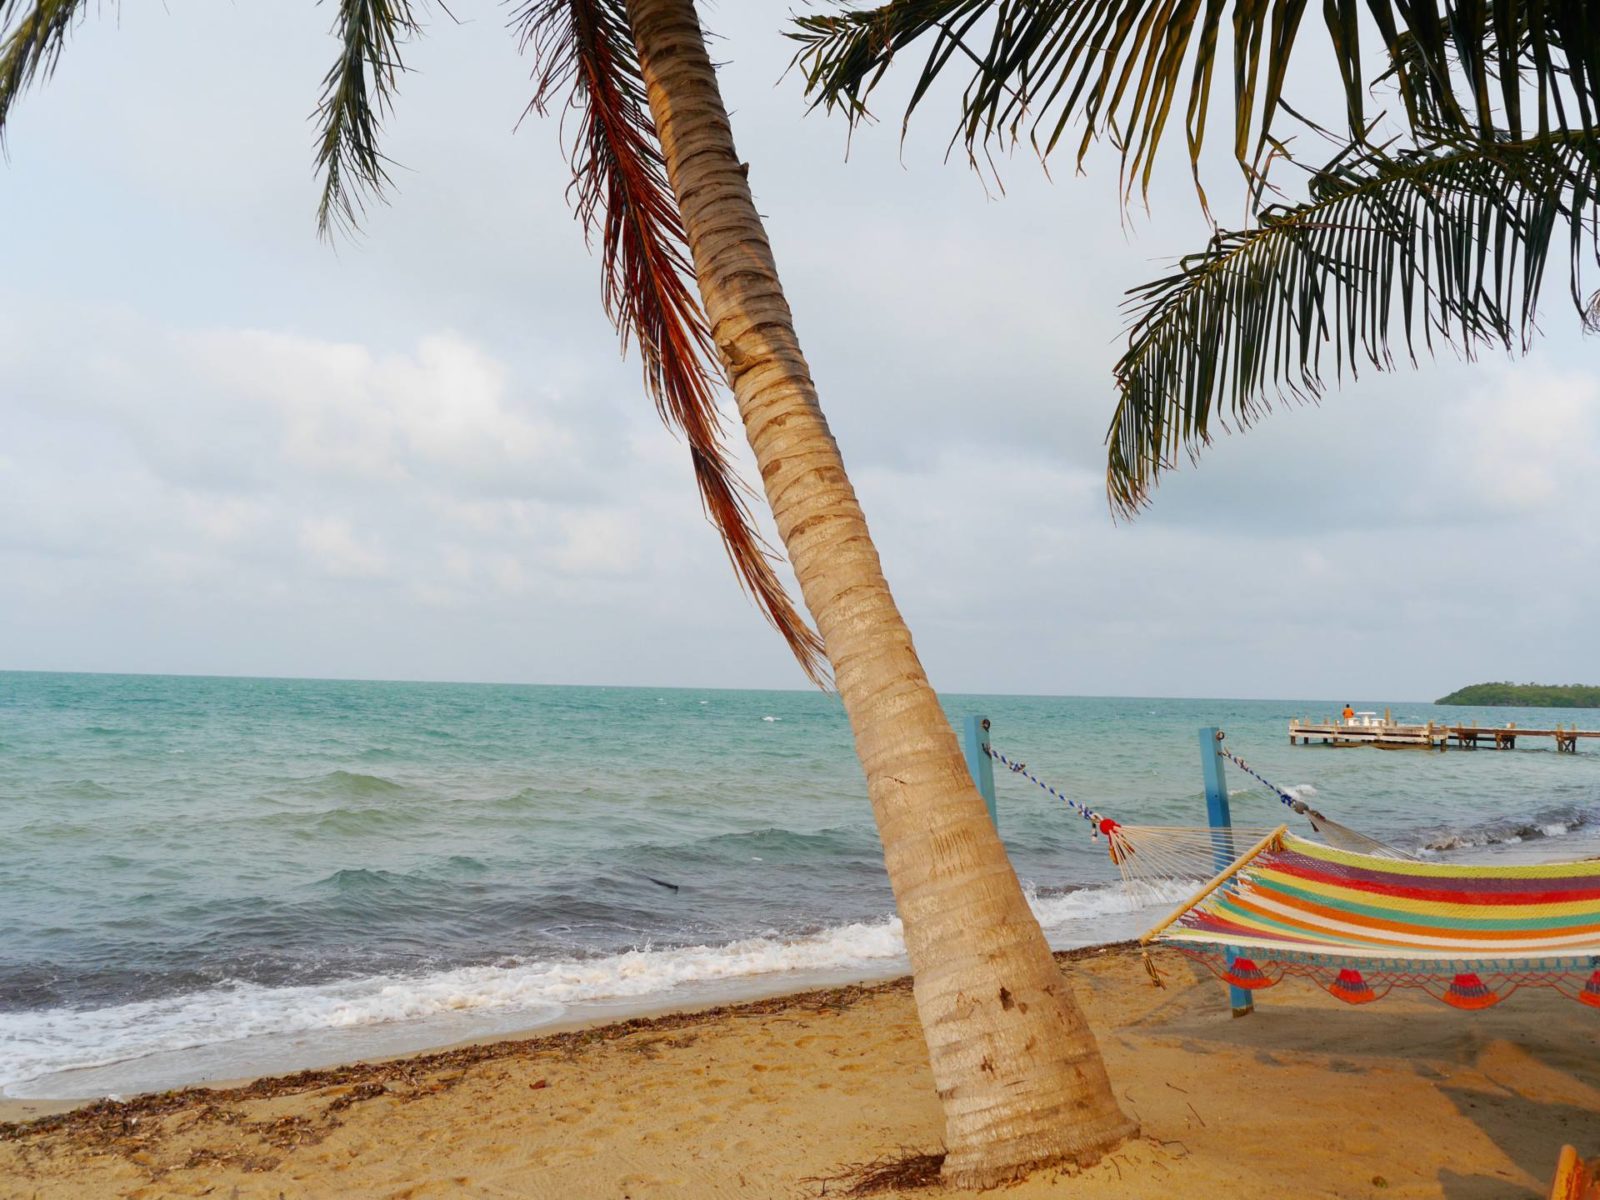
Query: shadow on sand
[1544,1041]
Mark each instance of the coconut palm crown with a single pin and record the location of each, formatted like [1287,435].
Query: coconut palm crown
[1438,232]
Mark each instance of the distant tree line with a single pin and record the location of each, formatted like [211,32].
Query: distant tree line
[1526,695]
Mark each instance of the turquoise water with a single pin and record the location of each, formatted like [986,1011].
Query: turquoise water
[207,876]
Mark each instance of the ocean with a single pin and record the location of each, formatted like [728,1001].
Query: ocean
[207,878]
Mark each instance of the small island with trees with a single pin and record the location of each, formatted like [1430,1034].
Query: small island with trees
[1526,695]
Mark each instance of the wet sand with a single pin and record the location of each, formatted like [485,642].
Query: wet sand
[784,1097]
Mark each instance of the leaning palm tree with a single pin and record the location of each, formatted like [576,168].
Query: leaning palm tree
[656,174]
[1435,228]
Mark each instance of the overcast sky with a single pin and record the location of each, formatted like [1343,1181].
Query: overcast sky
[227,448]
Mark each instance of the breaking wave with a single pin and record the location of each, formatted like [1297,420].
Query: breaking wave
[1553,822]
[42,1042]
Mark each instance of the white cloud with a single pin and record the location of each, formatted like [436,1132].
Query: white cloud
[440,414]
[229,520]
[1526,440]
[604,543]
[336,549]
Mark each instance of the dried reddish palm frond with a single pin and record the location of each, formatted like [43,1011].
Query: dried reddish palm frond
[584,48]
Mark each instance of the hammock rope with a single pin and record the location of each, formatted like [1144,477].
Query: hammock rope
[1164,854]
[1149,856]
[1097,822]
[1339,835]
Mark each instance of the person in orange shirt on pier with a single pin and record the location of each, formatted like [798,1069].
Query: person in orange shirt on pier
[1348,714]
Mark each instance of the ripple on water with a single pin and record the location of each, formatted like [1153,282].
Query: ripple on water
[355,784]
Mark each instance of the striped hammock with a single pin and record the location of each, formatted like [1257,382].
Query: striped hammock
[1360,925]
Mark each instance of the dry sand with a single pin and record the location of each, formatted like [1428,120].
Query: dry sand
[1307,1098]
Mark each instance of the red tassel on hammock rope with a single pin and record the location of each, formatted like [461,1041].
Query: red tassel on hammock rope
[1243,972]
[1352,988]
[1469,992]
[1116,844]
[1591,992]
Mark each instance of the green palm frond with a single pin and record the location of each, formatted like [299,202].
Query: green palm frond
[31,39]
[357,94]
[1032,67]
[1446,245]
[586,62]
[1496,57]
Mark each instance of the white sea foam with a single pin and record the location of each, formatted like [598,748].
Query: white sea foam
[1103,914]
[467,1000]
[43,1042]
[49,1041]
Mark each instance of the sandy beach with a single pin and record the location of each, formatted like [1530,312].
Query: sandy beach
[789,1097]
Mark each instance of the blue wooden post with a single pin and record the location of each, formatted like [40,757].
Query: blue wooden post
[975,743]
[1222,848]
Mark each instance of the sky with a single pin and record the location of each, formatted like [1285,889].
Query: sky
[227,447]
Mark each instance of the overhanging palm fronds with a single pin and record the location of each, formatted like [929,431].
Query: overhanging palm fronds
[1447,245]
[357,94]
[584,49]
[1033,66]
[31,40]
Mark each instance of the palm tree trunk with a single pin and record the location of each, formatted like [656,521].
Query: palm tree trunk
[1015,1064]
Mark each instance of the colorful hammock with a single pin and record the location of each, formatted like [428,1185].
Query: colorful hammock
[1360,925]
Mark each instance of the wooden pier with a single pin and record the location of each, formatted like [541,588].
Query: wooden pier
[1367,729]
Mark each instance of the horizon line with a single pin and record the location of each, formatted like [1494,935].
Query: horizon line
[677,687]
